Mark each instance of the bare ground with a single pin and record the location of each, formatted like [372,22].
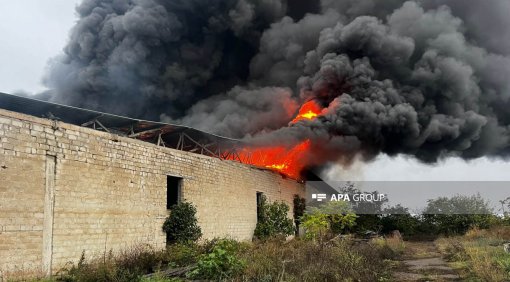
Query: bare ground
[423,262]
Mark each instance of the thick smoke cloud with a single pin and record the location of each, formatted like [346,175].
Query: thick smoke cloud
[486,22]
[427,78]
[243,110]
[147,57]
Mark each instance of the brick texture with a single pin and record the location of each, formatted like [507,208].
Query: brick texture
[109,192]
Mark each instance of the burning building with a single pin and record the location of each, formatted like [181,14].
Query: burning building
[422,78]
[75,180]
[280,85]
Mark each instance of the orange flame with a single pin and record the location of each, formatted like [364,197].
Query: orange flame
[308,110]
[287,160]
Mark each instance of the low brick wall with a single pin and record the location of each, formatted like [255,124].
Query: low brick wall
[66,189]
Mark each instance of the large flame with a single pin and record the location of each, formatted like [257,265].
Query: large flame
[308,110]
[287,160]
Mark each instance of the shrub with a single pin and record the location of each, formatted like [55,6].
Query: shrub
[479,254]
[316,226]
[219,264]
[457,214]
[182,226]
[299,210]
[183,254]
[328,219]
[399,218]
[128,265]
[390,246]
[231,244]
[304,260]
[273,220]
[162,279]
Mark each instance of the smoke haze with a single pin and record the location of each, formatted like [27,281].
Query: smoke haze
[425,78]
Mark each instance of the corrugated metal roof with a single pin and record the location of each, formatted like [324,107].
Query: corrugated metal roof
[150,131]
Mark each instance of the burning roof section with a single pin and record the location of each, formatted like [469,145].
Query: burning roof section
[162,134]
[286,161]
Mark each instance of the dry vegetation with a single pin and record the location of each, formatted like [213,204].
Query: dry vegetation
[326,253]
[301,260]
[479,253]
[273,260]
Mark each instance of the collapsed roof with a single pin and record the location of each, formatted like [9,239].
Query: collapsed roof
[162,134]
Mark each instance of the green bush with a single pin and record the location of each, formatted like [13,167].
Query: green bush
[457,214]
[316,226]
[305,260]
[183,254]
[273,220]
[478,253]
[405,223]
[220,263]
[162,279]
[399,218]
[182,226]
[330,218]
[442,216]
[299,210]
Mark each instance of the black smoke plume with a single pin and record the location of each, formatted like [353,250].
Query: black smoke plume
[428,78]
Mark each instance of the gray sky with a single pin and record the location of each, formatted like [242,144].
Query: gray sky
[405,168]
[34,31]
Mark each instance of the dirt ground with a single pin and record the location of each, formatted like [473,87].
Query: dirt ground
[422,262]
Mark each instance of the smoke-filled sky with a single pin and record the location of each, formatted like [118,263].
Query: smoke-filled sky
[428,79]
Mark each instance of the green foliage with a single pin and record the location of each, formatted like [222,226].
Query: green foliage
[399,218]
[505,206]
[128,265]
[182,226]
[447,216]
[405,223]
[162,279]
[363,207]
[183,254]
[457,214]
[220,263]
[221,259]
[299,209]
[367,222]
[316,226]
[368,213]
[328,219]
[299,206]
[503,262]
[273,220]
[479,254]
[450,224]
[458,204]
[505,220]
[305,260]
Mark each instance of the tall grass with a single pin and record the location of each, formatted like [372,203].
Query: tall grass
[479,253]
[300,260]
[130,264]
[228,260]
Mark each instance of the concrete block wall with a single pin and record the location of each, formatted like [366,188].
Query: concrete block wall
[66,189]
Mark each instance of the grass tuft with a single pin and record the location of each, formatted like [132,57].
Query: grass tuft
[479,253]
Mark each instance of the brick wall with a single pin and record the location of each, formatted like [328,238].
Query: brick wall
[65,189]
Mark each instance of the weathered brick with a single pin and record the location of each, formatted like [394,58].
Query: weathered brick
[114,193]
